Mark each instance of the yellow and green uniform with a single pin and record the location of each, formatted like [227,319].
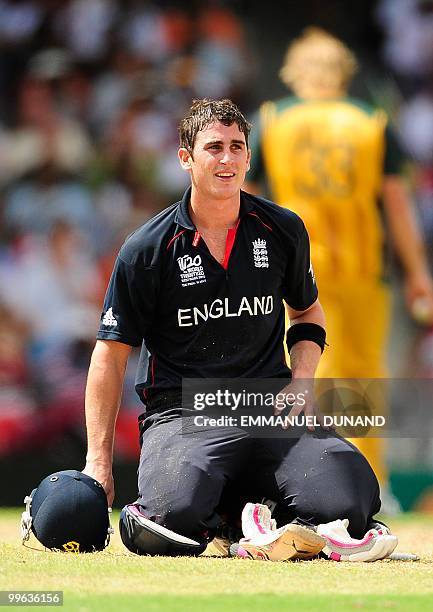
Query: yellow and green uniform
[325,160]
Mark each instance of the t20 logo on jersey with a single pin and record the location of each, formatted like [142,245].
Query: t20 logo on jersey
[186,262]
[191,270]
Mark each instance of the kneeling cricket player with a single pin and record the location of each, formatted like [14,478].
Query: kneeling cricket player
[202,288]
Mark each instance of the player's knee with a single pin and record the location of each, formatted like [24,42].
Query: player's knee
[184,518]
[145,537]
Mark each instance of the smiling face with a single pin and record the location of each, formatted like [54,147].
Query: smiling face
[218,162]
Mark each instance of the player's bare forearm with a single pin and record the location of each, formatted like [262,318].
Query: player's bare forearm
[305,355]
[409,245]
[304,358]
[103,395]
[405,233]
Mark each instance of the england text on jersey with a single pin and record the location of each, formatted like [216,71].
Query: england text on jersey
[222,308]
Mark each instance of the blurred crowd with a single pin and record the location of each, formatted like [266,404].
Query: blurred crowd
[407,53]
[91,95]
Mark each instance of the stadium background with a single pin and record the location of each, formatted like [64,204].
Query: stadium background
[91,94]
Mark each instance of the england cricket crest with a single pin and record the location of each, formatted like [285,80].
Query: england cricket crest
[260,253]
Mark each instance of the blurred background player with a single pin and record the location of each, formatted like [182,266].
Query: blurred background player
[335,162]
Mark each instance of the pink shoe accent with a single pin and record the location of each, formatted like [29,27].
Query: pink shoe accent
[241,552]
[256,519]
[335,556]
[357,544]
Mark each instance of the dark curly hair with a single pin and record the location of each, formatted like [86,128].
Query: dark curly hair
[204,112]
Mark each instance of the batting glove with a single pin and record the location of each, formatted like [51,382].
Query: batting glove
[263,541]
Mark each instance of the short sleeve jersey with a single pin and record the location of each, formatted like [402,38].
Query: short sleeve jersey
[325,160]
[199,318]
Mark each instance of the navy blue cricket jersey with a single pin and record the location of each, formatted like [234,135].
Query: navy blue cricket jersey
[198,317]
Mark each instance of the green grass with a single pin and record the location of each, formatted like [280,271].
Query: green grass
[118,580]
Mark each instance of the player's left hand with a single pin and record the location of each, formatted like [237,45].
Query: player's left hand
[300,398]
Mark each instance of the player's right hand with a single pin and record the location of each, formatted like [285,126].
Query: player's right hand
[418,289]
[104,476]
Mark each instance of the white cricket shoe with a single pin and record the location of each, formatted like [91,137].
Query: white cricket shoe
[378,543]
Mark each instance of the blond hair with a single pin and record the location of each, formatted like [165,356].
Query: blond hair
[318,64]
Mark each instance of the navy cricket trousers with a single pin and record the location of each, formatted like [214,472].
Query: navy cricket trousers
[189,478]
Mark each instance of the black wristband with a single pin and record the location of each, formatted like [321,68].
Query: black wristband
[306,331]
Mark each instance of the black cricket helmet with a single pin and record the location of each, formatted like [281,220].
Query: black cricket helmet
[68,511]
